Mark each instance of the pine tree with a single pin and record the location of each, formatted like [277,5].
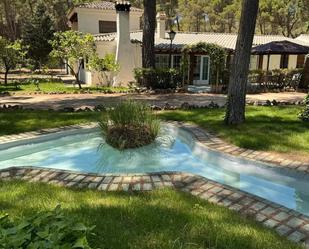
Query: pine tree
[37,33]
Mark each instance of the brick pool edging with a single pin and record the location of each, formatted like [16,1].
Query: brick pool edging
[284,221]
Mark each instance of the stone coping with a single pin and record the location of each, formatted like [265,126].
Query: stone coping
[286,222]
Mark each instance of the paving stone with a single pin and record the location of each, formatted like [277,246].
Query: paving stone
[79,178]
[283,229]
[258,206]
[158,184]
[236,207]
[147,186]
[245,201]
[295,222]
[168,184]
[117,179]
[103,187]
[281,216]
[107,180]
[97,179]
[260,217]
[70,177]
[93,185]
[207,186]
[166,177]
[113,187]
[127,179]
[177,178]
[206,195]
[271,223]
[136,187]
[215,189]
[306,228]
[268,211]
[215,199]
[296,236]
[226,202]
[146,179]
[155,178]
[125,186]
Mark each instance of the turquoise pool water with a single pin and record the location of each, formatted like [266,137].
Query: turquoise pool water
[175,150]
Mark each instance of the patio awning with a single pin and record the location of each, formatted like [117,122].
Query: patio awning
[280,47]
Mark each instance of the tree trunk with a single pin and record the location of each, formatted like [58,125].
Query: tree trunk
[149,33]
[6,73]
[236,103]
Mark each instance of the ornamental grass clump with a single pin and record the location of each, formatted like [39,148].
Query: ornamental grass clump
[129,125]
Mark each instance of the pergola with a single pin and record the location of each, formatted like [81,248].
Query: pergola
[279,47]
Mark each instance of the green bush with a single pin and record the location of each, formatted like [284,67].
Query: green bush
[304,115]
[129,125]
[45,230]
[159,78]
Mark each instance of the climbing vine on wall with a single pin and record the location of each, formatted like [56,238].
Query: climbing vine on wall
[216,54]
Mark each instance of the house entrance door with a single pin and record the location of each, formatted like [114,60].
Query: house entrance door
[201,70]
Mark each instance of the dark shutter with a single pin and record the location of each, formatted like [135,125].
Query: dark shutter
[300,61]
[107,26]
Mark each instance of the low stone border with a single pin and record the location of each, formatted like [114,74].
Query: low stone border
[212,142]
[286,222]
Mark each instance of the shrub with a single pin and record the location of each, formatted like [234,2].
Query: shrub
[129,125]
[159,78]
[44,230]
[304,115]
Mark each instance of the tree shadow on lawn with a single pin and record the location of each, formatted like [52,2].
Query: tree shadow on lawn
[159,219]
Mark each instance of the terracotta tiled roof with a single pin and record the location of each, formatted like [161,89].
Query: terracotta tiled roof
[227,41]
[103,5]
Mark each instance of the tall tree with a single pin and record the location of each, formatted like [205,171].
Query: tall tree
[37,33]
[236,103]
[149,33]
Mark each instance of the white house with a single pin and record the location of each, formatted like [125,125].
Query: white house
[116,29]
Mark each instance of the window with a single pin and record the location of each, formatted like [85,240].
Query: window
[176,61]
[253,62]
[284,61]
[107,27]
[300,61]
[162,61]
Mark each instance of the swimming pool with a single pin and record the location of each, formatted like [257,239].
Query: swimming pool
[174,150]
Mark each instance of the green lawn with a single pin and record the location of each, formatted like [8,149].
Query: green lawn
[267,128]
[48,87]
[24,121]
[160,219]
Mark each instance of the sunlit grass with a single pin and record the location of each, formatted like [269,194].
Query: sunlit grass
[160,219]
[46,86]
[266,128]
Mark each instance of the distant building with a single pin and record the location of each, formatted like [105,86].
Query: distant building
[118,32]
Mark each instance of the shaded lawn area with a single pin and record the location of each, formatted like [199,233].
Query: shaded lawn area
[160,219]
[50,86]
[267,128]
[13,122]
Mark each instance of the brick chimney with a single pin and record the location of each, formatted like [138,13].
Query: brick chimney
[161,24]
